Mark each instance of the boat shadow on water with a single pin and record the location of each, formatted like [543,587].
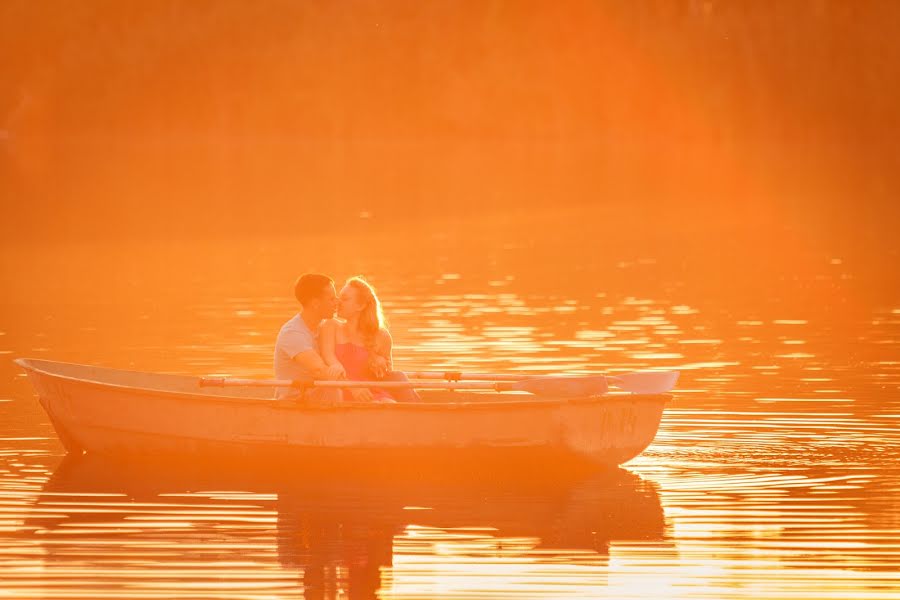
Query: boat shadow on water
[329,530]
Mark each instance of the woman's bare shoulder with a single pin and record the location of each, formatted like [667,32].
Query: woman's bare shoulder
[383,337]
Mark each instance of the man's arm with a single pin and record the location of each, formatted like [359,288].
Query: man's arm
[327,341]
[313,364]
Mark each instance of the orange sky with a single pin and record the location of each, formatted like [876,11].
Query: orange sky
[117,113]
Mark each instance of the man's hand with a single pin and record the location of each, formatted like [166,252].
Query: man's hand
[361,394]
[379,365]
[335,372]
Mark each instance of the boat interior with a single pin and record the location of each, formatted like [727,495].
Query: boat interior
[189,384]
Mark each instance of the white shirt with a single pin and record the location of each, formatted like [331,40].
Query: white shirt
[294,338]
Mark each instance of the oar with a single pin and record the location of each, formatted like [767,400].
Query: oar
[645,382]
[641,382]
[564,387]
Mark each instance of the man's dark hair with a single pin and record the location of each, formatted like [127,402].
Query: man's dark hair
[310,286]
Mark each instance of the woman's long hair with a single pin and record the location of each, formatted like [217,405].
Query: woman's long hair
[371,319]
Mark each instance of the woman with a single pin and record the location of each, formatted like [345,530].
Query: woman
[359,341]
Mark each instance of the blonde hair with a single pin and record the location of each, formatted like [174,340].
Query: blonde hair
[371,319]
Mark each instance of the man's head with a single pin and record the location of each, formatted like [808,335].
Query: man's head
[317,295]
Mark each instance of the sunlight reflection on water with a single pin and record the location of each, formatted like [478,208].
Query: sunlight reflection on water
[774,473]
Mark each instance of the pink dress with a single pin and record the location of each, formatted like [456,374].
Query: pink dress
[356,364]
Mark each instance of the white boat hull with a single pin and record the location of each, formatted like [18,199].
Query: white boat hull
[114,412]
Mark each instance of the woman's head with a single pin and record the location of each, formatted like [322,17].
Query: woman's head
[358,298]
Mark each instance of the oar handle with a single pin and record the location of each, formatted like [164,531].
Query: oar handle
[460,376]
[238,382]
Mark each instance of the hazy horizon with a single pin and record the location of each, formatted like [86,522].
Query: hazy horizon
[120,120]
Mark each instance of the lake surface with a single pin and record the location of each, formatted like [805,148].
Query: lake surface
[775,472]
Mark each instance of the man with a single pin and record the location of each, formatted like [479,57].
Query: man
[296,353]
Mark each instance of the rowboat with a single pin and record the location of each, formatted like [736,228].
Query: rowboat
[151,416]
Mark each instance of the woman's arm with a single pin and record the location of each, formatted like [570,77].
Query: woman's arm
[380,360]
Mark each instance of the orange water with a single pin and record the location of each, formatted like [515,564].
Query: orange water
[774,474]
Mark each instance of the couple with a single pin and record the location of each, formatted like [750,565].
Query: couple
[356,345]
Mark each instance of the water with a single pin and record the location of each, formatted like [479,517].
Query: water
[775,472]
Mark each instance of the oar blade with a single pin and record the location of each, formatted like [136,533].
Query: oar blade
[647,382]
[563,387]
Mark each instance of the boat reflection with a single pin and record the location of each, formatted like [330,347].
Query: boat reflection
[319,536]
